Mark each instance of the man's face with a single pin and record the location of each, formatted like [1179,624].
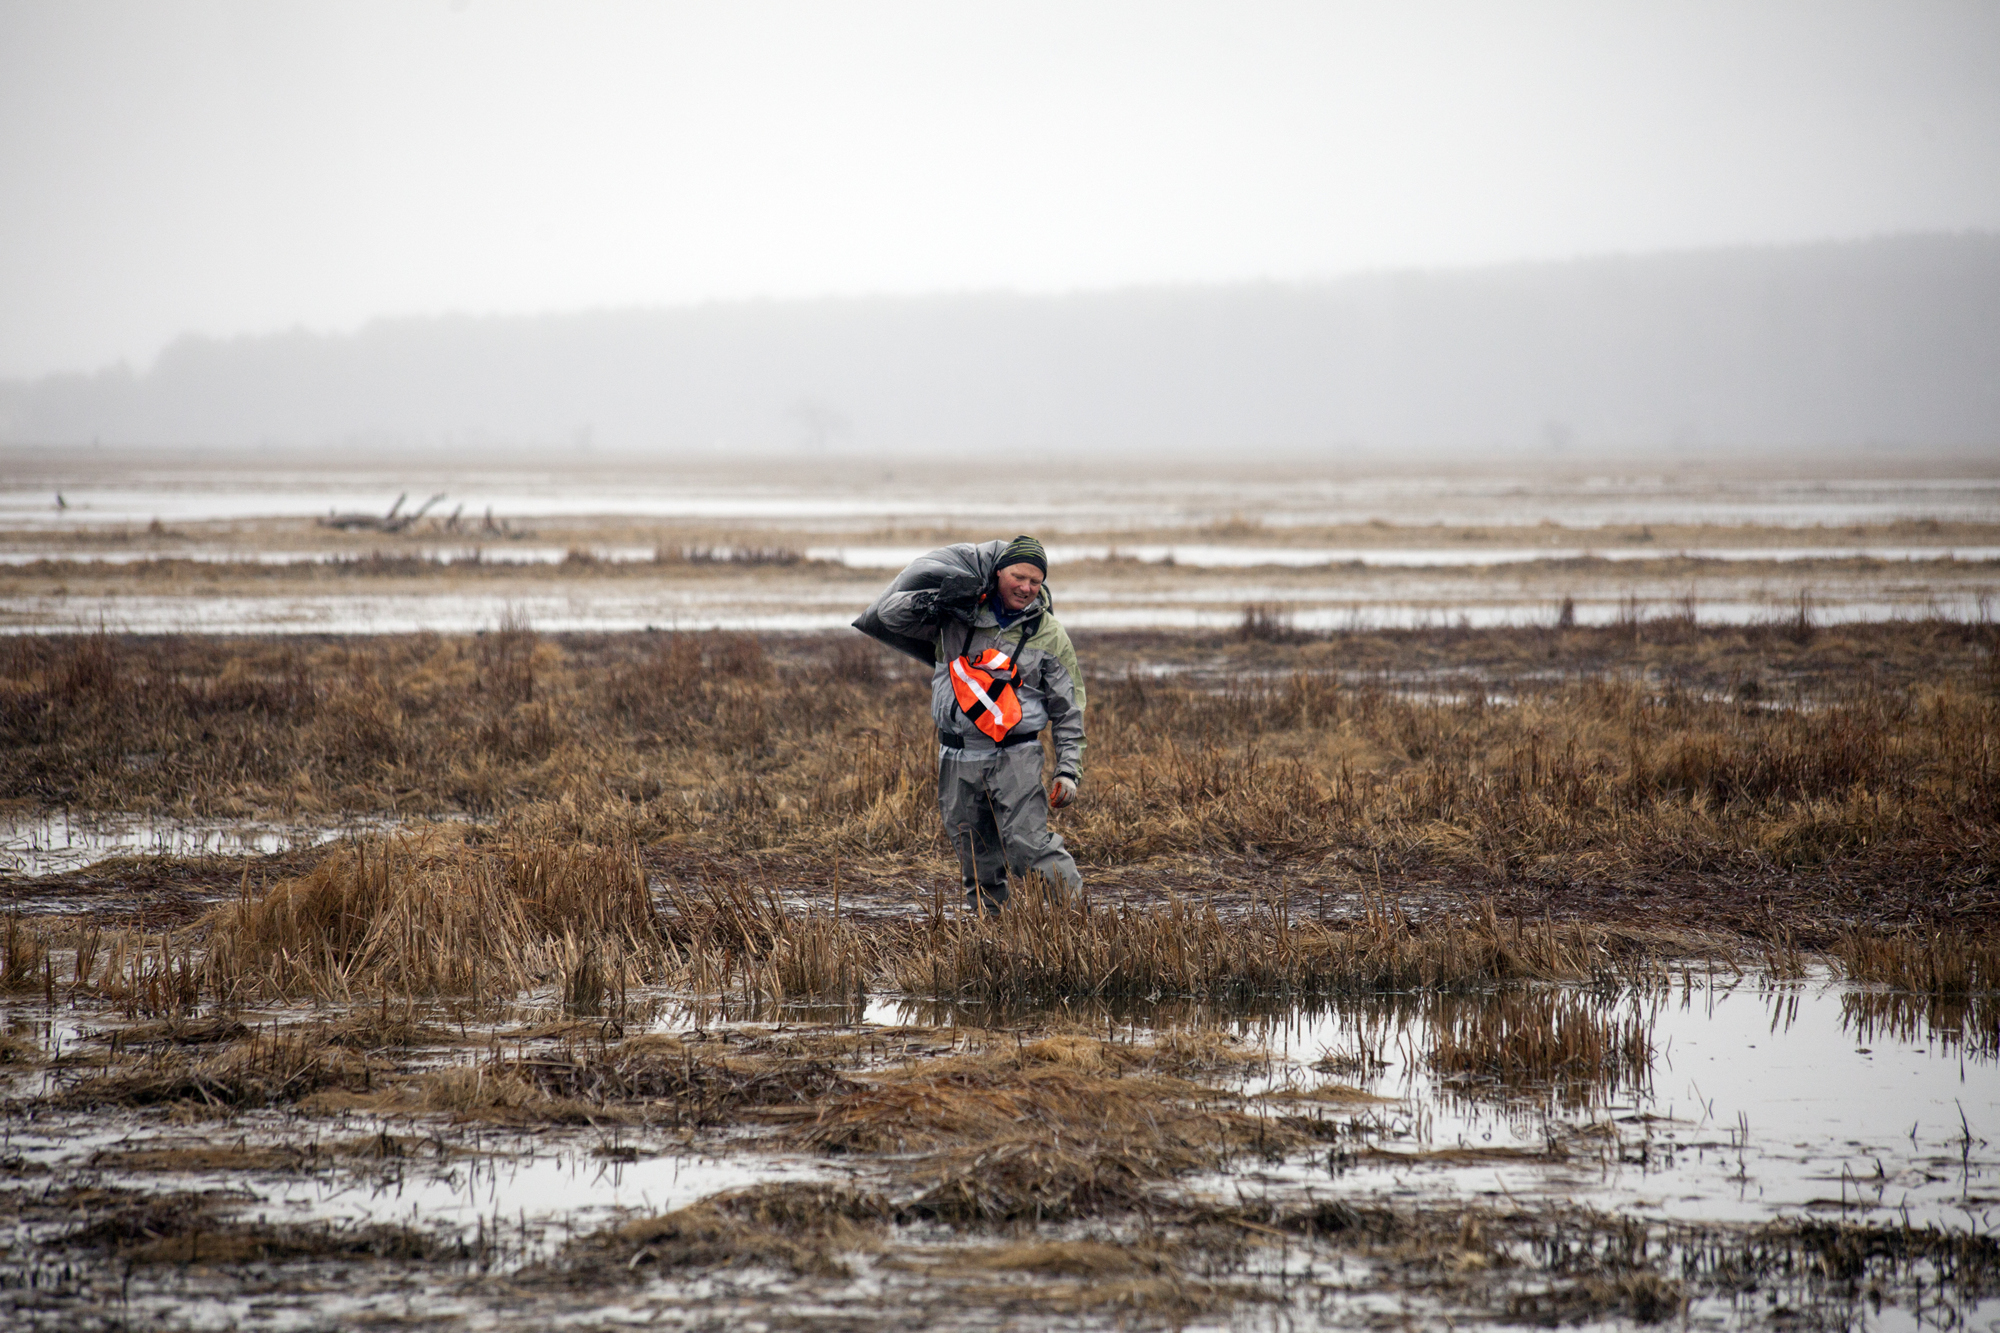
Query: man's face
[1020,585]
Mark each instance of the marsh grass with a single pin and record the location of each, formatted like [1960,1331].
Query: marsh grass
[186,1230]
[1684,753]
[434,915]
[1268,622]
[802,1228]
[1837,1269]
[1940,963]
[1546,1266]
[431,914]
[1039,1168]
[668,1081]
[267,1069]
[1046,948]
[1570,1047]
[444,913]
[633,788]
[24,956]
[1922,985]
[1971,1021]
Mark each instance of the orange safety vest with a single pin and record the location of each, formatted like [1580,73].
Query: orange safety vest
[995,711]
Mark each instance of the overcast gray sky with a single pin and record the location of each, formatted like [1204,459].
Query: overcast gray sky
[240,167]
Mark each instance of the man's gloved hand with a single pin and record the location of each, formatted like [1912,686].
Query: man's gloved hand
[1063,793]
[958,596]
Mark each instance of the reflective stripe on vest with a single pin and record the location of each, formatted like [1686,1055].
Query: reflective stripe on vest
[994,711]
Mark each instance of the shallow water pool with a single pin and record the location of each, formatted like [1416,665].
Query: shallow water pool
[52,843]
[1759,1100]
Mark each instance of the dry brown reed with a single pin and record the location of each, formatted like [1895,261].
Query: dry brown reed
[184,1230]
[1078,1258]
[1969,1021]
[445,912]
[1266,622]
[800,1227]
[1684,752]
[430,914]
[729,743]
[1940,963]
[722,935]
[1044,1132]
[387,919]
[1939,986]
[782,556]
[1573,1048]
[24,956]
[666,1081]
[1643,1297]
[1045,948]
[268,1069]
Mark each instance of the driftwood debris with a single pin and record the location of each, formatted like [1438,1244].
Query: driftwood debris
[393,521]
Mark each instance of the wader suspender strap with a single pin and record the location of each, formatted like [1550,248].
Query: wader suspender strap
[1028,627]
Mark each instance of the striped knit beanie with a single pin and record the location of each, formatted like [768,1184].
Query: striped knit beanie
[1025,551]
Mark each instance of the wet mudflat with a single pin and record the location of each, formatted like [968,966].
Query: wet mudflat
[782,591]
[146,548]
[1530,1154]
[38,845]
[1641,973]
[107,491]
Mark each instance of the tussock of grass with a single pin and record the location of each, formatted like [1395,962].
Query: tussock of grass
[798,1227]
[1574,1048]
[804,1209]
[484,1093]
[712,929]
[24,957]
[245,1156]
[678,1085]
[372,1029]
[1644,1298]
[1200,1051]
[273,1069]
[1038,1135]
[1072,1258]
[1044,949]
[168,1233]
[1029,1179]
[1944,964]
[431,915]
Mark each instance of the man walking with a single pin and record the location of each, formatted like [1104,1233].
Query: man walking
[1003,670]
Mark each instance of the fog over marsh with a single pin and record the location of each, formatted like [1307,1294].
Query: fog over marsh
[1427,232]
[1878,346]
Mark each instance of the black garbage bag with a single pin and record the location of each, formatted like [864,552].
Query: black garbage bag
[953,565]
